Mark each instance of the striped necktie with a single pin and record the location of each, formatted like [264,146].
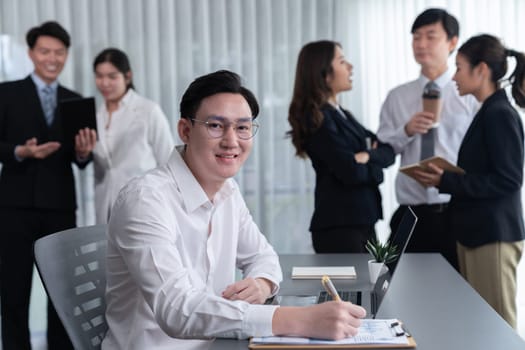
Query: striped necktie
[48,103]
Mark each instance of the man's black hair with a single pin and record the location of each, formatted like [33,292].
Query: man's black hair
[51,28]
[211,84]
[434,15]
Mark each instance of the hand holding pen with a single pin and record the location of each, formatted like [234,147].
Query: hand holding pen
[331,320]
[330,288]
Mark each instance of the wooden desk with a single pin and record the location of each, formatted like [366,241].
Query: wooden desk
[440,309]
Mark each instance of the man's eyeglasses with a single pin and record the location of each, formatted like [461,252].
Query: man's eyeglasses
[216,126]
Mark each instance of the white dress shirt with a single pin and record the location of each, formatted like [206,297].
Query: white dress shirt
[137,138]
[456,115]
[171,253]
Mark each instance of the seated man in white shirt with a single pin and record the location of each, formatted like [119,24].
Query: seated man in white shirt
[177,234]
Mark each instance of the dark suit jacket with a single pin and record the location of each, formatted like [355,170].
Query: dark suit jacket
[346,193]
[42,184]
[486,202]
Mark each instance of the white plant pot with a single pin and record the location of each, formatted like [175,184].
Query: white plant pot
[375,269]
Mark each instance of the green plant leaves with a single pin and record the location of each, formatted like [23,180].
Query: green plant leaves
[382,252]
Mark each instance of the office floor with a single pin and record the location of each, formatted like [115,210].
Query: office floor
[38,316]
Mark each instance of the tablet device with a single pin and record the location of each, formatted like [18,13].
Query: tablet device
[76,114]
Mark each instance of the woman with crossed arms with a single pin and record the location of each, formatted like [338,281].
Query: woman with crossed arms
[347,158]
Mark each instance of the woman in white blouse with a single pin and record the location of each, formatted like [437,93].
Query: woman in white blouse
[134,133]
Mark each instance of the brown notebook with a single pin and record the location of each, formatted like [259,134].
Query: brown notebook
[423,166]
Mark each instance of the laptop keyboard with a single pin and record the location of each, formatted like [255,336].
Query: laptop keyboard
[346,295]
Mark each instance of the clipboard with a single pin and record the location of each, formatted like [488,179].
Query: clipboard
[76,114]
[393,341]
[411,345]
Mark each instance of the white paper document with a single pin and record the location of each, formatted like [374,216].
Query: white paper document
[372,331]
[315,272]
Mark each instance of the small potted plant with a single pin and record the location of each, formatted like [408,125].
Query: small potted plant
[382,253]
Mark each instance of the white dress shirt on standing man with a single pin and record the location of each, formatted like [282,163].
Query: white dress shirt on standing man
[456,115]
[171,253]
[135,139]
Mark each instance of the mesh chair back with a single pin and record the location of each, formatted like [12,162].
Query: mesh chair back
[72,266]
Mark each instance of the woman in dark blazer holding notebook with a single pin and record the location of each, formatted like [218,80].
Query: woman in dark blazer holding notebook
[486,207]
[347,158]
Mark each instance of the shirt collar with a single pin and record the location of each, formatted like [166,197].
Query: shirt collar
[124,101]
[193,194]
[441,81]
[128,96]
[40,84]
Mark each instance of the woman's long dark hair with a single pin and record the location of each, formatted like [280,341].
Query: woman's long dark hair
[310,92]
[489,49]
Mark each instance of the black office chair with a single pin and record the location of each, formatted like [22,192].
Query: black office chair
[72,266]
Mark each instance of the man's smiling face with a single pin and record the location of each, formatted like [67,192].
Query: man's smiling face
[213,160]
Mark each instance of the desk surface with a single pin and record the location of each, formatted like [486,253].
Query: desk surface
[440,309]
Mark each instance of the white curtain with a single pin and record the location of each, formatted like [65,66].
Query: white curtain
[170,42]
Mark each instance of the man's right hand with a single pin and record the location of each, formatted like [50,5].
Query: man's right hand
[330,320]
[420,123]
[32,150]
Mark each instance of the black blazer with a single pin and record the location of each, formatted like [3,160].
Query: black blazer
[43,184]
[486,202]
[346,193]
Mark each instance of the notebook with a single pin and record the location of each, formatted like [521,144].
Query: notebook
[370,300]
[316,272]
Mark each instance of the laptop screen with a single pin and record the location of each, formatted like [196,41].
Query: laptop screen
[400,239]
[402,235]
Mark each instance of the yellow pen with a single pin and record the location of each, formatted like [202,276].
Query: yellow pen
[329,287]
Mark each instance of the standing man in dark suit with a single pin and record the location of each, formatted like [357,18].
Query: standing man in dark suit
[37,188]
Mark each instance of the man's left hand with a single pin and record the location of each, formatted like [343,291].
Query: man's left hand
[85,141]
[251,290]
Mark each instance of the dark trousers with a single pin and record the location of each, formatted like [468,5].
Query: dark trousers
[20,229]
[432,233]
[342,239]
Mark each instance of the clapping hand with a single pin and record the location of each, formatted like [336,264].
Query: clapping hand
[32,150]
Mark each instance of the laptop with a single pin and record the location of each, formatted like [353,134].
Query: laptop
[370,300]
